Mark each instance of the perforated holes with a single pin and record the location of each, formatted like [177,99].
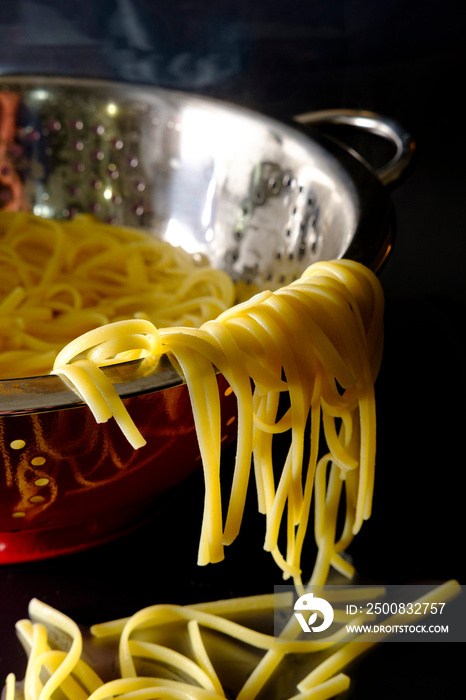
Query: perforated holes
[287,180]
[37,461]
[259,197]
[274,186]
[17,444]
[36,499]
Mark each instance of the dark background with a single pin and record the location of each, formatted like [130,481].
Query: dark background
[402,59]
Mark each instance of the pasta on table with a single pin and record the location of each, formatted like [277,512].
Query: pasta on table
[184,652]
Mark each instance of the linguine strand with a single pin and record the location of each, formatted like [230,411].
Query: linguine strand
[312,348]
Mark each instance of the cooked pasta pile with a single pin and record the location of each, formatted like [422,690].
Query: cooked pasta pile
[59,279]
[302,362]
[316,342]
[165,651]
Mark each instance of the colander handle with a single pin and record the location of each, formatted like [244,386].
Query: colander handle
[376,124]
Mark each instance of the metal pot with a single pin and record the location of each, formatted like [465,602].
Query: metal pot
[261,199]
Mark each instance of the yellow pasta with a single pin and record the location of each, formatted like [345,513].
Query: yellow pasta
[307,354]
[59,279]
[192,674]
[316,343]
[201,656]
[10,684]
[327,689]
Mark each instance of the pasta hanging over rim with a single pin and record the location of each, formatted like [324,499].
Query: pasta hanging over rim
[317,343]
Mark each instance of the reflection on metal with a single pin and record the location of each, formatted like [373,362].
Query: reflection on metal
[275,194]
[257,197]
[190,169]
[67,482]
[267,181]
[11,189]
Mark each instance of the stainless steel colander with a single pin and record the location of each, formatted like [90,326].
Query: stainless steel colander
[259,198]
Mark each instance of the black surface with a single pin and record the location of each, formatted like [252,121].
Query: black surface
[402,59]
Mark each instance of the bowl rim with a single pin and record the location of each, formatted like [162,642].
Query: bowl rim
[370,244]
